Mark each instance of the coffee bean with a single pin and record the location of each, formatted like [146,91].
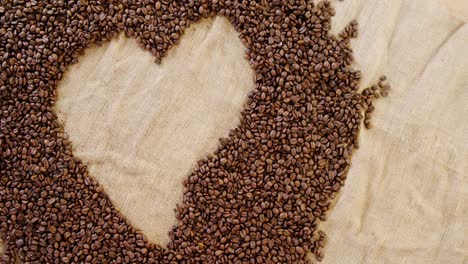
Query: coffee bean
[257,199]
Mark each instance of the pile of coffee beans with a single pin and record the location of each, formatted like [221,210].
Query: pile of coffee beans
[258,199]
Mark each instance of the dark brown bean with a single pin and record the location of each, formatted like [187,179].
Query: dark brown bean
[256,199]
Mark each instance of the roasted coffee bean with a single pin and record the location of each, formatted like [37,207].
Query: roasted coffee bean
[257,199]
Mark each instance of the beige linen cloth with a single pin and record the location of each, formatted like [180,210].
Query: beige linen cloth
[141,127]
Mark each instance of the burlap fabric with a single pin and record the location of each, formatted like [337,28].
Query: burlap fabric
[140,127]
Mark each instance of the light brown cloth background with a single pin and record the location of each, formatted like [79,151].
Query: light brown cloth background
[140,127]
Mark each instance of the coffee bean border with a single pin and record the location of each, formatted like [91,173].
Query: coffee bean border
[258,199]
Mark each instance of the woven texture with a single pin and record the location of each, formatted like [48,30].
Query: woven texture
[406,196]
[141,127]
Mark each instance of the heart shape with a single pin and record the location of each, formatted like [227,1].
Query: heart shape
[141,127]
